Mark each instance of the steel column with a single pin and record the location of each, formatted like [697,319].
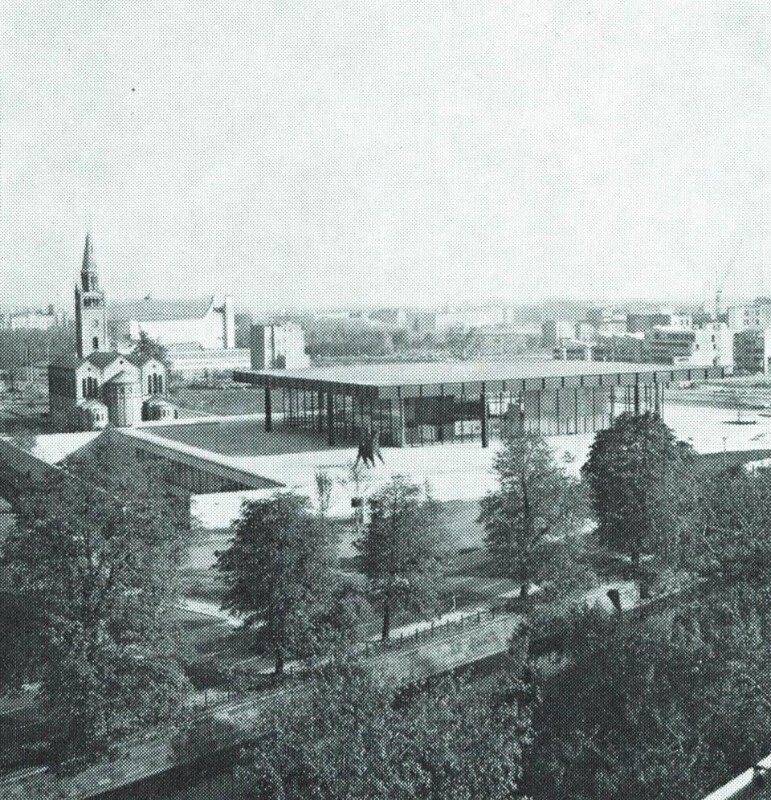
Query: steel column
[268,412]
[483,416]
[330,418]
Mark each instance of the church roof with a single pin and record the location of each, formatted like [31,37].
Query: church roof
[91,403]
[103,358]
[140,359]
[122,378]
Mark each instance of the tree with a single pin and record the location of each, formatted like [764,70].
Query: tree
[534,507]
[399,549]
[637,473]
[278,573]
[152,348]
[347,738]
[95,565]
[662,709]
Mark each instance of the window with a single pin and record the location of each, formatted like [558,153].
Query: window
[95,343]
[160,384]
[150,384]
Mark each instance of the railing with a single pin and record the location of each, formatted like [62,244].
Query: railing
[437,628]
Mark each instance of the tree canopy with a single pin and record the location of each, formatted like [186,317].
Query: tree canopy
[278,573]
[400,549]
[636,472]
[533,507]
[349,739]
[95,566]
[147,346]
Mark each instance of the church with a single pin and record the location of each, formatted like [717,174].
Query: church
[94,385]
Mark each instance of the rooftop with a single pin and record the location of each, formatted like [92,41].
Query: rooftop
[458,472]
[385,376]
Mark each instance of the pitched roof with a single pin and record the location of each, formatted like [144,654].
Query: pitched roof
[103,358]
[149,310]
[122,378]
[140,359]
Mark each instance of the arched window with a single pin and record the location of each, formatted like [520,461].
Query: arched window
[149,384]
[95,343]
[85,387]
[160,384]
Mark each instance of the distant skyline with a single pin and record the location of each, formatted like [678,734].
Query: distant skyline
[381,153]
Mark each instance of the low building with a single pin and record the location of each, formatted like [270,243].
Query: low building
[417,404]
[568,350]
[278,347]
[33,320]
[192,361]
[498,342]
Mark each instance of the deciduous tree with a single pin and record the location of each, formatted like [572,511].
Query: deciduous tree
[347,738]
[535,505]
[278,572]
[94,558]
[400,549]
[637,473]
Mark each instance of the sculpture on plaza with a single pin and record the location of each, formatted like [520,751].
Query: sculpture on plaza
[369,448]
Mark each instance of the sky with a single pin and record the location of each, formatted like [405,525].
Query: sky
[379,152]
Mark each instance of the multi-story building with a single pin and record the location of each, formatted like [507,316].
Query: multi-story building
[627,348]
[641,323]
[278,347]
[755,315]
[752,351]
[669,345]
[710,345]
[585,331]
[553,331]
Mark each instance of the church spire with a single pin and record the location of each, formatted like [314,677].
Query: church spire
[89,273]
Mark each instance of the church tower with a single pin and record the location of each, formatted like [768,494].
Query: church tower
[90,310]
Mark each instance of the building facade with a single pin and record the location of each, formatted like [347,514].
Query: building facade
[278,347]
[553,331]
[418,404]
[210,324]
[752,351]
[755,315]
[498,342]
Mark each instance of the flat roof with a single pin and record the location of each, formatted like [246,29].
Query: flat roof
[378,379]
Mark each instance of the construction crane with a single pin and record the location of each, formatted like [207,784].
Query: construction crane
[724,276]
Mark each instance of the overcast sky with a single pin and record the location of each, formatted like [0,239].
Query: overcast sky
[337,152]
